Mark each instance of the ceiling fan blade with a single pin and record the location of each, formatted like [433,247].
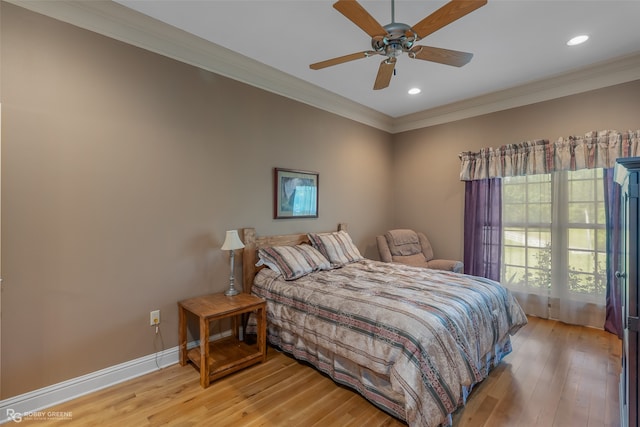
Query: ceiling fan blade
[352,10]
[448,13]
[442,56]
[384,73]
[342,59]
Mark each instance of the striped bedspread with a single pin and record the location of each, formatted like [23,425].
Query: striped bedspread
[412,341]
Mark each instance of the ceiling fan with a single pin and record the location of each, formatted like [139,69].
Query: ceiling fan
[395,38]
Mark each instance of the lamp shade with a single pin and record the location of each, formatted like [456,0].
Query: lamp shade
[232,241]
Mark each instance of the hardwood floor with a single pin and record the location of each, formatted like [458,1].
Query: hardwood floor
[557,375]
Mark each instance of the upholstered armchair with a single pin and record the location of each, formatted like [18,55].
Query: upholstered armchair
[412,248]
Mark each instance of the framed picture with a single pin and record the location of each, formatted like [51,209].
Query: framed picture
[295,194]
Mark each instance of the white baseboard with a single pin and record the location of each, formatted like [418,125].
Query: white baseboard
[31,404]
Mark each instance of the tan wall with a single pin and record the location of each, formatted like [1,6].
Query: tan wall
[427,192]
[121,172]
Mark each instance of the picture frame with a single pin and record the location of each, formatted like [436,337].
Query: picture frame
[295,193]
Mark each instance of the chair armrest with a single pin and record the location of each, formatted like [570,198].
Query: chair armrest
[446,264]
[383,249]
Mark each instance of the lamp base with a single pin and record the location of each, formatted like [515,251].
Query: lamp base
[231,292]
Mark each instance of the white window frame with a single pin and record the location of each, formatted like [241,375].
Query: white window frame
[558,227]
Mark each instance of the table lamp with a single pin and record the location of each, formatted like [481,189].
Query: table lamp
[231,243]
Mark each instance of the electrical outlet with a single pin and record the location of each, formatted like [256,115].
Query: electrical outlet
[154,318]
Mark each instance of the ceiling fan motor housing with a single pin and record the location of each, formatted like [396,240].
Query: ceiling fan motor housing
[399,38]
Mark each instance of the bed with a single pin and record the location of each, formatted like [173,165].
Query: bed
[412,341]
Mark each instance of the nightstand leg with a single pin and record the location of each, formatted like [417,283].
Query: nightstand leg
[182,335]
[204,352]
[262,332]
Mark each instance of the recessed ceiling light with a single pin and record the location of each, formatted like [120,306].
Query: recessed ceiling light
[414,91]
[578,40]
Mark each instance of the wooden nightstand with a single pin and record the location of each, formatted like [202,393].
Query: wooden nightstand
[229,354]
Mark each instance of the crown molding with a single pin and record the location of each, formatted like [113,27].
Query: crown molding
[609,73]
[121,23]
[118,22]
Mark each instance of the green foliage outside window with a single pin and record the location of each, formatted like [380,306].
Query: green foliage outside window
[581,280]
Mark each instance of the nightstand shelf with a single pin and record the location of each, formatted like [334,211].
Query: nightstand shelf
[225,356]
[228,354]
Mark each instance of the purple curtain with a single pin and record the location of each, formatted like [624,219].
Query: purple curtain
[483,227]
[613,319]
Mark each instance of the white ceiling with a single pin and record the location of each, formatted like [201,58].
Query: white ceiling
[517,45]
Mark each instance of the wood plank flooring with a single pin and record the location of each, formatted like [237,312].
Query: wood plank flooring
[557,375]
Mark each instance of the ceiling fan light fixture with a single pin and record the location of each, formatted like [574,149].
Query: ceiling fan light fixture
[414,91]
[393,50]
[578,40]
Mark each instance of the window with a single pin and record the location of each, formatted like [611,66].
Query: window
[554,236]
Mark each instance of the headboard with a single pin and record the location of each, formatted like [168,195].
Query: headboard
[252,243]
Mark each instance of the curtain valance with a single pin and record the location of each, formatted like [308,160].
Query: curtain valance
[594,150]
